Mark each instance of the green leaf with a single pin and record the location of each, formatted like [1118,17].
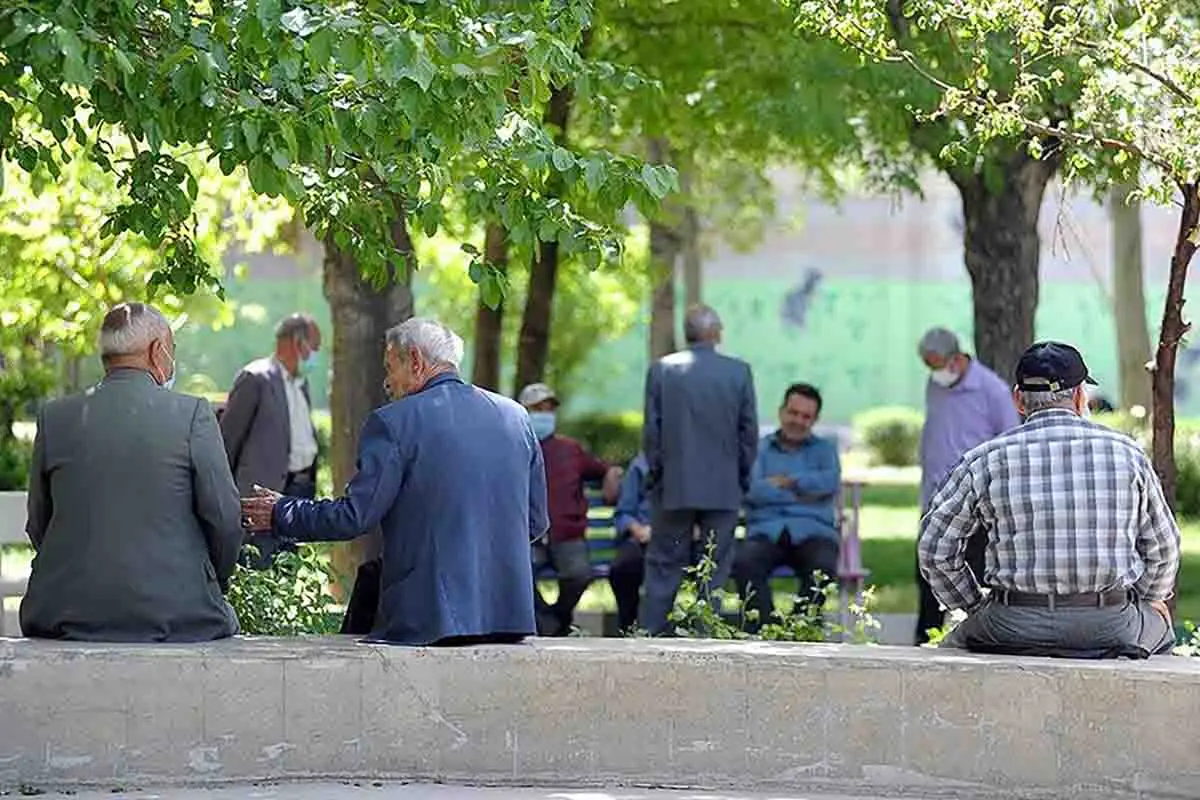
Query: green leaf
[123,62]
[289,138]
[75,68]
[469,248]
[658,180]
[280,159]
[22,28]
[320,47]
[294,20]
[268,12]
[422,72]
[594,174]
[250,130]
[475,272]
[490,291]
[562,159]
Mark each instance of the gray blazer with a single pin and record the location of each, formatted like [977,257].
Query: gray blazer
[134,517]
[257,428]
[701,430]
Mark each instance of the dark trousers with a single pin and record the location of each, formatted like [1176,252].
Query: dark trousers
[625,576]
[364,598]
[298,484]
[929,612]
[570,560]
[669,553]
[757,557]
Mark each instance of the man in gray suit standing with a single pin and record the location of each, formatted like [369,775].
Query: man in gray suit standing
[267,424]
[700,439]
[132,509]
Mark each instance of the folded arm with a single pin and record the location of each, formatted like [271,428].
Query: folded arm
[629,501]
[369,495]
[822,481]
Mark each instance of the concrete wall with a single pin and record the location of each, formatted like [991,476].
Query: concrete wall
[568,712]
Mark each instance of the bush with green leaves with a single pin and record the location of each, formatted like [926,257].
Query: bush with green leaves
[891,434]
[1187,454]
[698,615]
[289,599]
[16,455]
[616,438]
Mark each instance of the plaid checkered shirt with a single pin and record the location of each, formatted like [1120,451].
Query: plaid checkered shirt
[1069,507]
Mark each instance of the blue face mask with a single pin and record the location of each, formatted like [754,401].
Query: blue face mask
[542,423]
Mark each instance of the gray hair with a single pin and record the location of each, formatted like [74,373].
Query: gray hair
[1042,401]
[939,342]
[130,328]
[701,324]
[433,340]
[295,326]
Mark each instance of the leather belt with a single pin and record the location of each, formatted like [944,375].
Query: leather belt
[1113,597]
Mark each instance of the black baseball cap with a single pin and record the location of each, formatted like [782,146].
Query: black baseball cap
[1051,367]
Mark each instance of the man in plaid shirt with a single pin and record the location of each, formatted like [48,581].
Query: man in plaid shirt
[1082,549]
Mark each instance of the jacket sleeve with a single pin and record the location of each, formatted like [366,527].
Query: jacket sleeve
[747,430]
[539,513]
[369,495]
[240,408]
[762,492]
[217,505]
[39,505]
[652,424]
[628,501]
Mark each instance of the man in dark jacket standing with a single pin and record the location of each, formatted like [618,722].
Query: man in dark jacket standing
[700,440]
[454,476]
[132,508]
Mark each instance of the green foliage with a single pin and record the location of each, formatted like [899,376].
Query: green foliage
[589,306]
[613,437]
[339,109]
[892,435]
[1191,640]
[698,615]
[1187,454]
[16,454]
[289,599]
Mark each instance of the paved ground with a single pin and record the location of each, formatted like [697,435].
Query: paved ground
[370,791]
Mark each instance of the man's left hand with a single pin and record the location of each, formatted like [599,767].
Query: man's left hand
[258,510]
[781,482]
[611,488]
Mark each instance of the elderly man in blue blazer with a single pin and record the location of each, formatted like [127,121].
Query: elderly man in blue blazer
[454,476]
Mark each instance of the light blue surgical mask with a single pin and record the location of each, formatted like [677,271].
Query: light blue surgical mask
[543,423]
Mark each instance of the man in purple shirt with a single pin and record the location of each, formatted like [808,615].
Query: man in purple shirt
[966,404]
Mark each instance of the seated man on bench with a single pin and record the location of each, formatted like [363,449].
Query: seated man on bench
[1082,549]
[790,514]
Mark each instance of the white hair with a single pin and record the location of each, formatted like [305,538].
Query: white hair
[1041,401]
[130,328]
[701,324]
[433,340]
[939,342]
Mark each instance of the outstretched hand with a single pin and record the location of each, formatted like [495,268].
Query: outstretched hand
[258,509]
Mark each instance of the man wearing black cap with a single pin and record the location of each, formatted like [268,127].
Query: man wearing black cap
[1082,549]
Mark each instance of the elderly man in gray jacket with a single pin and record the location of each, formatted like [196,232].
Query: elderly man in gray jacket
[700,440]
[132,509]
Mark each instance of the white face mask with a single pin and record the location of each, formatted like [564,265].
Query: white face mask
[945,377]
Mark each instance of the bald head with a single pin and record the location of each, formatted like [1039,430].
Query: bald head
[702,325]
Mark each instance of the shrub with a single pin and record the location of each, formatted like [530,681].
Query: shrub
[892,435]
[289,599]
[616,438]
[16,455]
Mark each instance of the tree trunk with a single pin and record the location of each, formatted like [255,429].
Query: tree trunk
[666,241]
[1172,331]
[1129,297]
[533,345]
[693,264]
[362,312]
[489,322]
[1001,247]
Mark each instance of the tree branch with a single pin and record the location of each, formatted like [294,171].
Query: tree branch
[1171,85]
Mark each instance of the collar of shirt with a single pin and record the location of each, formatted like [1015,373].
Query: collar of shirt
[450,376]
[779,443]
[288,377]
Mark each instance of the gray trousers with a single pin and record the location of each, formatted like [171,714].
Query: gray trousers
[669,553]
[1134,630]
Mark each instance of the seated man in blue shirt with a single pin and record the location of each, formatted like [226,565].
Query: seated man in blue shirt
[790,516]
[631,521]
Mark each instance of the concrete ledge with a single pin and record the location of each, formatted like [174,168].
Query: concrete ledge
[589,711]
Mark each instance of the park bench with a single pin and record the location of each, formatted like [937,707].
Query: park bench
[602,540]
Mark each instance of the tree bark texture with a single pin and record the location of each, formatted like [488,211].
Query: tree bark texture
[1129,297]
[1172,331]
[1001,247]
[489,322]
[533,343]
[666,245]
[361,312]
[693,261]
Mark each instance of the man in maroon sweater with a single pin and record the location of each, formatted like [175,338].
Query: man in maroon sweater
[568,467]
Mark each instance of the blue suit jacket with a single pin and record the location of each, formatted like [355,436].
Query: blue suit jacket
[454,476]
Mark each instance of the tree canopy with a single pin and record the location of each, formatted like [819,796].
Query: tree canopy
[337,107]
